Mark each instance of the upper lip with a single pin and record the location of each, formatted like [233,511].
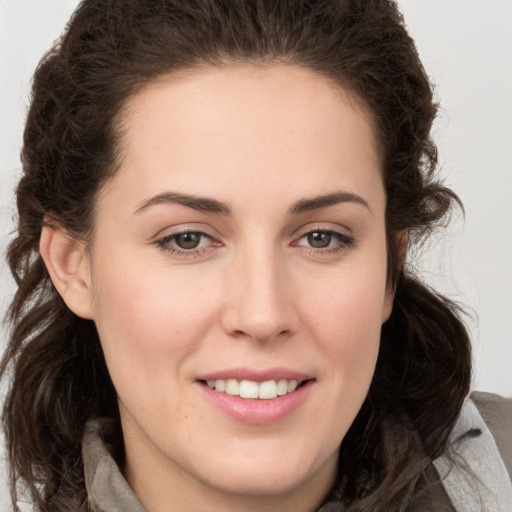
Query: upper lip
[261,375]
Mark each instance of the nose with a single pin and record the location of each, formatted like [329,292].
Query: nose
[259,302]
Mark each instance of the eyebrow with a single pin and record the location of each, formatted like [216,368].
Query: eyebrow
[202,204]
[318,202]
[209,205]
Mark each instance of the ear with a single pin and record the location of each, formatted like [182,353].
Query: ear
[402,246]
[68,264]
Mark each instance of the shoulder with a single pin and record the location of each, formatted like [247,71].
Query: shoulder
[472,468]
[107,490]
[496,411]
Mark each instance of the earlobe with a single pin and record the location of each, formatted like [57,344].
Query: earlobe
[402,246]
[69,267]
[388,304]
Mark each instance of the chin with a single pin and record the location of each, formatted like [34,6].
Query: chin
[260,482]
[277,473]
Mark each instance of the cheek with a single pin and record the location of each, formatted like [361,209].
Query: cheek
[144,320]
[350,306]
[346,322]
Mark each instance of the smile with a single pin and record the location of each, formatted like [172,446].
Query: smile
[267,390]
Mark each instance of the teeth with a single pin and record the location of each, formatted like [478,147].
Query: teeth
[268,390]
[282,387]
[250,389]
[232,387]
[292,385]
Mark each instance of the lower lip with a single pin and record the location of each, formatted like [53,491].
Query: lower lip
[258,411]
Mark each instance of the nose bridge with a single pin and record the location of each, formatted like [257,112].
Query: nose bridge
[259,303]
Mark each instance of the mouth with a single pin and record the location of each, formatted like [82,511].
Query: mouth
[257,396]
[250,389]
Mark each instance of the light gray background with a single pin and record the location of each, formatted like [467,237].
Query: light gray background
[466,47]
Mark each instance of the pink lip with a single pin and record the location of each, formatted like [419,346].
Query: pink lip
[255,411]
[257,375]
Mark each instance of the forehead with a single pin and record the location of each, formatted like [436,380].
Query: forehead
[281,127]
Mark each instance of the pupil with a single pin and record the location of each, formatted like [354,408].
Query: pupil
[318,240]
[188,240]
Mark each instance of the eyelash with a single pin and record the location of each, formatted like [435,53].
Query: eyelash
[343,240]
[164,244]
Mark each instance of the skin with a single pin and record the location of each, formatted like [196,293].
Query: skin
[254,293]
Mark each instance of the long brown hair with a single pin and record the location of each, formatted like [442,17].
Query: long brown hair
[110,50]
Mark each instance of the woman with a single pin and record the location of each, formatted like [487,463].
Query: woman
[213,310]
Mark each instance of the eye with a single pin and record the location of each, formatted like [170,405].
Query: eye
[186,242]
[319,239]
[324,240]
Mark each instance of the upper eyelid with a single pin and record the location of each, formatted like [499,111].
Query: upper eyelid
[337,234]
[172,236]
[299,233]
[186,231]
[169,232]
[323,227]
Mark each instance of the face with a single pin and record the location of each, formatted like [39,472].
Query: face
[238,277]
